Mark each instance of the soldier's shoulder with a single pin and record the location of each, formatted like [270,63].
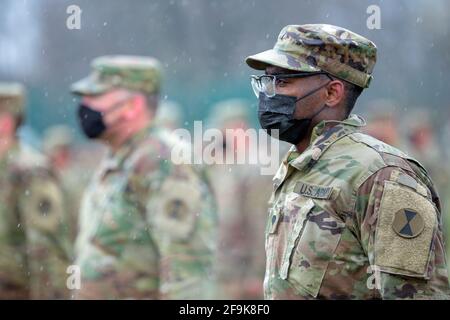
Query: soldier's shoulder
[376,156]
[358,156]
[354,153]
[178,190]
[155,160]
[366,141]
[373,152]
[26,160]
[161,149]
[40,197]
[149,154]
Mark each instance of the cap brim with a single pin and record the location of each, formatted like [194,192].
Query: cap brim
[272,57]
[89,86]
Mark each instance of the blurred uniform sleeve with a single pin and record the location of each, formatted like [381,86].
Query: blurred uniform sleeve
[13,267]
[400,230]
[43,214]
[181,214]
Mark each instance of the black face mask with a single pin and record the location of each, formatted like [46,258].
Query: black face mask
[91,121]
[278,113]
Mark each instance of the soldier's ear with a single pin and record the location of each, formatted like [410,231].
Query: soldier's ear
[335,93]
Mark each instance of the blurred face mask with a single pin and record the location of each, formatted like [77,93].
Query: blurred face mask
[277,113]
[92,121]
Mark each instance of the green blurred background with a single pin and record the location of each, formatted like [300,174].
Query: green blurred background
[203,45]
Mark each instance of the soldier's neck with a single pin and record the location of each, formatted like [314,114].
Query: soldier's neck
[302,145]
[306,141]
[125,135]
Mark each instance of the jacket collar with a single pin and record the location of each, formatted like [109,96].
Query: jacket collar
[115,160]
[324,134]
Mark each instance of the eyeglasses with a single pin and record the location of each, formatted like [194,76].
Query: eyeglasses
[267,84]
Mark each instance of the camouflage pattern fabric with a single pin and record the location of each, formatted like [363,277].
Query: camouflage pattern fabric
[321,47]
[353,218]
[33,229]
[147,226]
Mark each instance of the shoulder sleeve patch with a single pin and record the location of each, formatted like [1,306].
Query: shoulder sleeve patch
[408,181]
[405,230]
[42,205]
[178,208]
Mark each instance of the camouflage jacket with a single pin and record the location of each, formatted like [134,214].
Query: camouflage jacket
[33,229]
[147,226]
[353,218]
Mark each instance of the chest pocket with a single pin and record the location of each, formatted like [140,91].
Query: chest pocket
[310,247]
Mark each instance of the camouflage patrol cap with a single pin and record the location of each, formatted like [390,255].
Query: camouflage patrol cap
[12,97]
[321,47]
[135,73]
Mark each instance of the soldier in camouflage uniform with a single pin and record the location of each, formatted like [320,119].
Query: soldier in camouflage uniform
[64,155]
[33,226]
[242,201]
[148,225]
[382,122]
[350,216]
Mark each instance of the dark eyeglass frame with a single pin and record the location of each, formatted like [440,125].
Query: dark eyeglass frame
[290,75]
[273,78]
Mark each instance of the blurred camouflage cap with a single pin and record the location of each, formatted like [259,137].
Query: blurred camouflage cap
[12,97]
[135,73]
[227,111]
[321,47]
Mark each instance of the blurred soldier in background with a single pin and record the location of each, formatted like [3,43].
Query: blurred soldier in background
[169,115]
[422,143]
[147,226]
[33,225]
[382,122]
[57,144]
[60,147]
[242,194]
